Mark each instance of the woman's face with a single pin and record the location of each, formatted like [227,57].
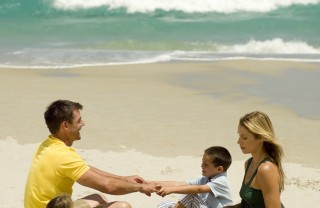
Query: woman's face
[247,141]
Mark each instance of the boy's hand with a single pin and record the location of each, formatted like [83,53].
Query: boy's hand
[163,191]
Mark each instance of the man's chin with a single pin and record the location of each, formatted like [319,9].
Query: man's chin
[79,136]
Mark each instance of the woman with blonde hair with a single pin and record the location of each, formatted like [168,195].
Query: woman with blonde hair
[264,177]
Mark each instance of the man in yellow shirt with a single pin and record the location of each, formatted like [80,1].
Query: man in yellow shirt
[56,166]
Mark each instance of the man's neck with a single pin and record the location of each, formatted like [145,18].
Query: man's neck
[67,142]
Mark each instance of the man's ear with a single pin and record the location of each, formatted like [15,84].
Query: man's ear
[64,124]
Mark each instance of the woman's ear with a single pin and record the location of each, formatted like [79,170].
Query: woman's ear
[259,137]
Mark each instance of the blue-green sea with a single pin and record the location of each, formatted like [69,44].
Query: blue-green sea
[65,33]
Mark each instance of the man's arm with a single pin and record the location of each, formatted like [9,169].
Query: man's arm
[134,178]
[112,184]
[186,189]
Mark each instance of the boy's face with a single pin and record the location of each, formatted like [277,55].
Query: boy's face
[208,169]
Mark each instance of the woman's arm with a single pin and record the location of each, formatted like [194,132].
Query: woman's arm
[269,181]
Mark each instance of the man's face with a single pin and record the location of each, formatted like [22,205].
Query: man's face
[75,126]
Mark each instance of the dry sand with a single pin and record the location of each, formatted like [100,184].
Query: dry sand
[155,120]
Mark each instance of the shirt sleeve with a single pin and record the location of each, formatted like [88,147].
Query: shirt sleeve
[219,186]
[198,181]
[72,166]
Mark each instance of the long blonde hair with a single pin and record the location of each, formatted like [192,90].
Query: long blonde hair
[259,124]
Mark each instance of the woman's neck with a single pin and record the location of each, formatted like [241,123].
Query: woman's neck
[259,156]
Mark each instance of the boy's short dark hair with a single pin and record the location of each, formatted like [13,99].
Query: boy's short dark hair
[220,156]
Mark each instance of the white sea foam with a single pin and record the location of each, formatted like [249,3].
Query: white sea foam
[274,49]
[188,6]
[274,46]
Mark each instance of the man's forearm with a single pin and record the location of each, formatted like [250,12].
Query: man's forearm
[120,187]
[106,174]
[102,181]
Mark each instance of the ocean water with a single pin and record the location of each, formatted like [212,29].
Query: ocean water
[69,33]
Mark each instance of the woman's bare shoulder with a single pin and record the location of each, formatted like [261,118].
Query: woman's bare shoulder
[267,169]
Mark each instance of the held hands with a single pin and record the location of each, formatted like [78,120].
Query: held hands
[148,188]
[163,191]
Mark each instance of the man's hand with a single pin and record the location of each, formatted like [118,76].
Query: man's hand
[148,188]
[134,179]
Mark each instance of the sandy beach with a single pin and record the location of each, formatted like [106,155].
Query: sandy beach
[155,120]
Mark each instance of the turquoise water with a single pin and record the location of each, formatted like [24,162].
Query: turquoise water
[63,33]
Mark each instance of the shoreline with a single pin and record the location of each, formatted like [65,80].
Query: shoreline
[107,65]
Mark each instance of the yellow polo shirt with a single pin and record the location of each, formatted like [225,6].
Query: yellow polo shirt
[54,169]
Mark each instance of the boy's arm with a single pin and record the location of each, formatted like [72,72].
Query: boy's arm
[184,189]
[168,183]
